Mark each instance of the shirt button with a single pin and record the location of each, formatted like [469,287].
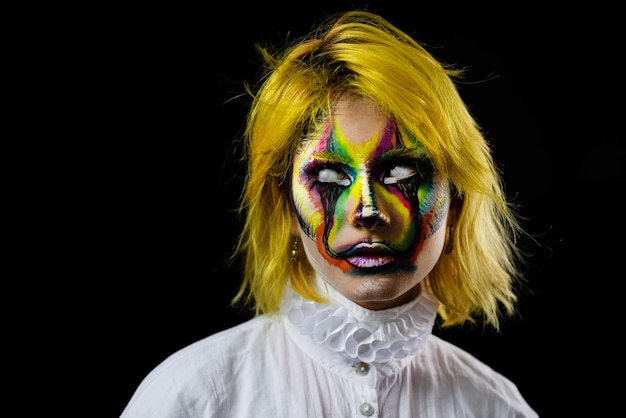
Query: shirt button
[366,409]
[362,368]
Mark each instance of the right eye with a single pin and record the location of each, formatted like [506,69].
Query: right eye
[330,175]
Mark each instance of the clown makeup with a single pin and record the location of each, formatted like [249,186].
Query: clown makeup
[370,207]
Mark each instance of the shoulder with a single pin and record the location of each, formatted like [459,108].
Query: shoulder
[198,375]
[218,349]
[466,380]
[449,359]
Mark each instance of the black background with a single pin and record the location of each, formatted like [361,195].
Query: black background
[158,218]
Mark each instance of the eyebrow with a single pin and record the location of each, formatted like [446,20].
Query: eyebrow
[332,156]
[401,152]
[389,155]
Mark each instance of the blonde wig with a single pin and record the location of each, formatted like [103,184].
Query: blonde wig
[361,53]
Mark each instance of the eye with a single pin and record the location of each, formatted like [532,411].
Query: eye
[330,175]
[399,172]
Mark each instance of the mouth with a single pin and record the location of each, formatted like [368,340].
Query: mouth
[368,255]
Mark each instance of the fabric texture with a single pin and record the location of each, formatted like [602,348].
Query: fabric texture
[328,360]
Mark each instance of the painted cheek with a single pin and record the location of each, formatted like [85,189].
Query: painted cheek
[433,197]
[306,199]
[309,208]
[402,216]
[395,204]
[340,216]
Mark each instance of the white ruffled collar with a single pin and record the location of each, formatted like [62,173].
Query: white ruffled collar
[382,338]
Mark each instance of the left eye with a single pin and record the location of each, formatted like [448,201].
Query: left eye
[329,175]
[399,172]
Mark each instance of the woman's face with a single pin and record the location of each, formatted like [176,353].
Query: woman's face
[370,209]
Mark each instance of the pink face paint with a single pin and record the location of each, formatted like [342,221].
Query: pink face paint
[366,198]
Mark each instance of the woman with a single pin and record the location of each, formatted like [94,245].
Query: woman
[372,206]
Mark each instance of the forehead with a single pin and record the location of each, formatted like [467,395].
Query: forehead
[358,120]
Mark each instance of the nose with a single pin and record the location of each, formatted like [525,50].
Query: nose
[369,216]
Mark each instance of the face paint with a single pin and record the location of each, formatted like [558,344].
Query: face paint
[367,196]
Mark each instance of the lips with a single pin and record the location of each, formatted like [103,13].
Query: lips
[369,261]
[369,255]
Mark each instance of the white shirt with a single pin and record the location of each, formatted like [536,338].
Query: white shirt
[327,360]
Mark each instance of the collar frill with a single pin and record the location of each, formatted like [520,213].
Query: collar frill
[360,334]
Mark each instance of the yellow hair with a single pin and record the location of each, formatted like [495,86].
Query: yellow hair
[362,54]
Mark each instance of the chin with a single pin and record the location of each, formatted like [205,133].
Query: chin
[383,292]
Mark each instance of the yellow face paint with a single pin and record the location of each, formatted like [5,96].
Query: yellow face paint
[367,198]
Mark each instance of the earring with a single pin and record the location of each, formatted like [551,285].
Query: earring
[294,251]
[450,244]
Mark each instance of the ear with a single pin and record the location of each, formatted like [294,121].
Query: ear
[456,203]
[294,225]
